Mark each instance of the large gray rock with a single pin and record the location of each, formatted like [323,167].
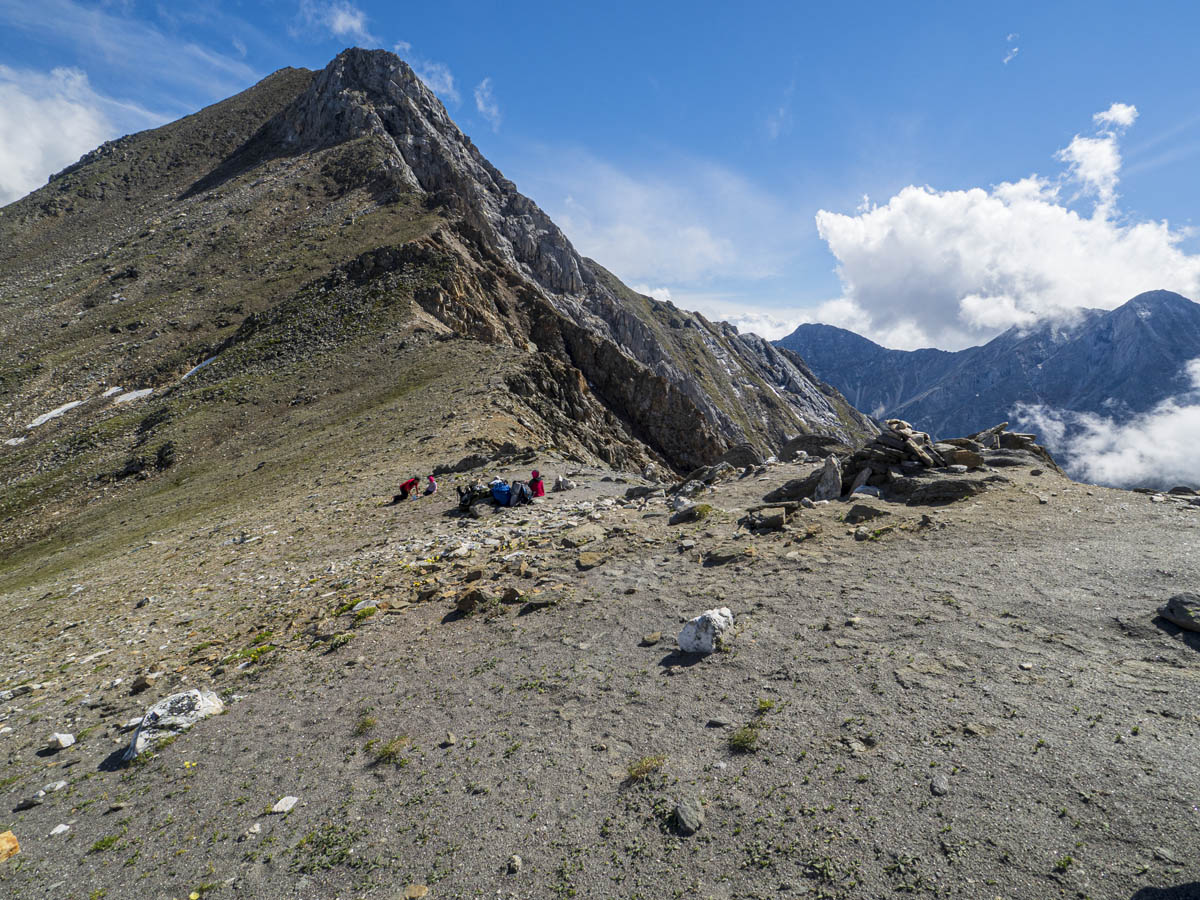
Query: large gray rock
[829,487]
[959,456]
[945,490]
[795,489]
[805,445]
[172,716]
[742,456]
[1183,610]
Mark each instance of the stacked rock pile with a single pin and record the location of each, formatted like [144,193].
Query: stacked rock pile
[899,450]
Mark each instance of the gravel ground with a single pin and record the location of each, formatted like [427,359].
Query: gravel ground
[979,703]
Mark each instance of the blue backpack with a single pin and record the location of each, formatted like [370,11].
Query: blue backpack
[501,493]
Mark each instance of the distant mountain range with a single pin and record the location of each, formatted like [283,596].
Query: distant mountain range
[1114,363]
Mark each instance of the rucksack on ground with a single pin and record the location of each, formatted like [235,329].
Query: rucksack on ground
[501,493]
[519,493]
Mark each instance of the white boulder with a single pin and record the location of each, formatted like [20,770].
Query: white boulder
[171,716]
[703,633]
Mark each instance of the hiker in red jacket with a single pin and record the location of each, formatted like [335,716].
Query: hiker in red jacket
[535,485]
[408,487]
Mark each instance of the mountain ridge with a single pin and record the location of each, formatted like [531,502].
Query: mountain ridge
[1114,363]
[327,223]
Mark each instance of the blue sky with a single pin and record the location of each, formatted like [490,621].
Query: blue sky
[923,173]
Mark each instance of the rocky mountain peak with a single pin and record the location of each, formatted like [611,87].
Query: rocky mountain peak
[374,93]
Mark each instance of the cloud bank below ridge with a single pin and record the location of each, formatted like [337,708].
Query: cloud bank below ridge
[1155,449]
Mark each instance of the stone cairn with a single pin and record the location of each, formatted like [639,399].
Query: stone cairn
[900,450]
[893,462]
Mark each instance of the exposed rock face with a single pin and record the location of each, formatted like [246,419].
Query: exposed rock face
[1113,363]
[639,356]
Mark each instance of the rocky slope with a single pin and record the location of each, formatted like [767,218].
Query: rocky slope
[969,699]
[1114,363]
[300,240]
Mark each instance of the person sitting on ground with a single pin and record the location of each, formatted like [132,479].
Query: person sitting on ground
[408,487]
[536,486]
[431,488]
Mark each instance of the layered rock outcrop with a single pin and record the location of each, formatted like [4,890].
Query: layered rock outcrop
[688,387]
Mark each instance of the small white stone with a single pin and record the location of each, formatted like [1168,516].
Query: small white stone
[364,604]
[61,741]
[59,829]
[54,786]
[285,805]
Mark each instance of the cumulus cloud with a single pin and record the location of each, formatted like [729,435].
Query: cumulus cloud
[1155,449]
[954,268]
[1119,115]
[749,319]
[1095,163]
[339,17]
[50,119]
[486,103]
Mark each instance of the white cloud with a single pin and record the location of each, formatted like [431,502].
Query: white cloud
[953,268]
[438,78]
[340,18]
[168,72]
[662,294]
[1096,163]
[486,103]
[49,119]
[686,226]
[1154,449]
[1119,115]
[1012,50]
[780,120]
[750,320]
